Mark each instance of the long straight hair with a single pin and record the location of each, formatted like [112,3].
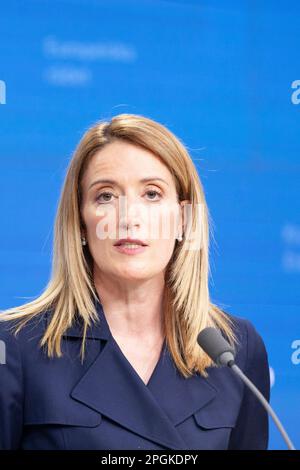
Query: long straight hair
[71,292]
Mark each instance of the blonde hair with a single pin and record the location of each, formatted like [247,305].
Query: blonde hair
[71,291]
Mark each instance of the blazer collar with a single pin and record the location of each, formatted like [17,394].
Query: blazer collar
[111,386]
[98,330]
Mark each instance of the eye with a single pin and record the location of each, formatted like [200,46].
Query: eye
[108,194]
[104,194]
[154,192]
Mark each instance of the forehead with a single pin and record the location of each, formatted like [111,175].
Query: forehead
[125,161]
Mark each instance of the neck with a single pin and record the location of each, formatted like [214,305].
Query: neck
[132,308]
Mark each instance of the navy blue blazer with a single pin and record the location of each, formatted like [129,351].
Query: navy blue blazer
[60,404]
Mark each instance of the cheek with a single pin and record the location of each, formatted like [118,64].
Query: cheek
[164,225]
[94,217]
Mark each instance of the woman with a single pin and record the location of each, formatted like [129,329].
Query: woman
[107,357]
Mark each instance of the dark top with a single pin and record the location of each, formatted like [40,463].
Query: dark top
[59,403]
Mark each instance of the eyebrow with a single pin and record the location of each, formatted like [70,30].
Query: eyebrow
[115,183]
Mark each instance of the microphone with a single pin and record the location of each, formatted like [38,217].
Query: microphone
[219,350]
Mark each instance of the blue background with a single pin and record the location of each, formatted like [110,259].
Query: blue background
[217,74]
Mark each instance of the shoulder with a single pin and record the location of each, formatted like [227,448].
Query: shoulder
[245,329]
[13,335]
[250,349]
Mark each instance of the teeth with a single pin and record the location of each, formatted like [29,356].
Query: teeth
[130,245]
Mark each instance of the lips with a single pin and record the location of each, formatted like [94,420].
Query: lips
[124,241]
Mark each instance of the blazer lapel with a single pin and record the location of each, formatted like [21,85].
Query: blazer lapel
[111,386]
[179,397]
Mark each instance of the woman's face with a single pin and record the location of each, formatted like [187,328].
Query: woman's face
[127,207]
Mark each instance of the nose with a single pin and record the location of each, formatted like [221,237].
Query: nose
[129,213]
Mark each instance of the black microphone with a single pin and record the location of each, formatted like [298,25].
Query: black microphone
[219,350]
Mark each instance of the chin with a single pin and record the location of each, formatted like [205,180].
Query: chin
[134,275]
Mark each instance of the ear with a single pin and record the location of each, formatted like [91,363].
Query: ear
[83,231]
[181,228]
[82,225]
